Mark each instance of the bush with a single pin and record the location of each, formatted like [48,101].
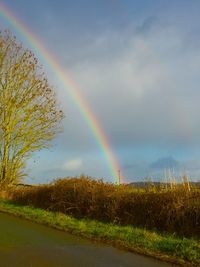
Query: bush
[174,211]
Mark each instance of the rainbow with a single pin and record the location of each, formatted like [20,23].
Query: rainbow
[69,85]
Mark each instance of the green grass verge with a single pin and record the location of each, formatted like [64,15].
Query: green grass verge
[166,247]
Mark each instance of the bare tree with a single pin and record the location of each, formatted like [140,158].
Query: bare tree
[29,115]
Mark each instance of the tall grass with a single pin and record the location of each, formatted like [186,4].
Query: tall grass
[173,211]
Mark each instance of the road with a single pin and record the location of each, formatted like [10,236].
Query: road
[27,244]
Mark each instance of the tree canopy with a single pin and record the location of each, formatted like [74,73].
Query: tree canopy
[29,113]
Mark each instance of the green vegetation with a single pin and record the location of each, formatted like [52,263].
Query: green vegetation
[29,116]
[166,210]
[166,247]
[156,220]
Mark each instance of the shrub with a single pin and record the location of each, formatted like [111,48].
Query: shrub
[175,211]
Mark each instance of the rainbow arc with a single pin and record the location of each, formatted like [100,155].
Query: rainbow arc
[70,86]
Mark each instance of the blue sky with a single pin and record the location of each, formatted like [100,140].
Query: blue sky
[137,64]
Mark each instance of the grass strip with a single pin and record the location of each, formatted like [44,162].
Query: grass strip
[183,251]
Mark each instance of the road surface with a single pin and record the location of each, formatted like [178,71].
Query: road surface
[27,244]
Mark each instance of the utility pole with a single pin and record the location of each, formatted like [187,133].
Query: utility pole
[119,177]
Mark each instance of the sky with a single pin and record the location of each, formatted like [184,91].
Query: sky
[137,66]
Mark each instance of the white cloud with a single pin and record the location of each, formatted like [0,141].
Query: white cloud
[143,87]
[72,165]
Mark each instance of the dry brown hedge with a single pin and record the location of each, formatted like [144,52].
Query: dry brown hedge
[175,211]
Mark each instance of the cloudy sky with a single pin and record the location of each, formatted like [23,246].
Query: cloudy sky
[137,64]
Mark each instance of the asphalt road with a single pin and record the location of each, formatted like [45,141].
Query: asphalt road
[27,244]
